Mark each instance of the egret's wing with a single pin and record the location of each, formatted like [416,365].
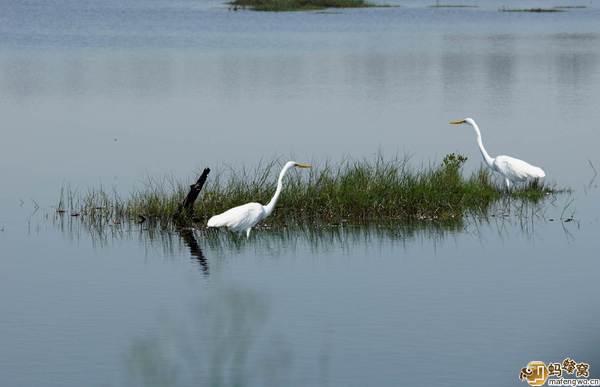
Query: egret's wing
[516,169]
[238,218]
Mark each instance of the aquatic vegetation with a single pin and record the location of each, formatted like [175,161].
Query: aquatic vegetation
[200,242]
[355,191]
[298,5]
[540,10]
[438,5]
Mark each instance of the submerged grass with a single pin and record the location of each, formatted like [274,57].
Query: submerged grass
[298,5]
[353,192]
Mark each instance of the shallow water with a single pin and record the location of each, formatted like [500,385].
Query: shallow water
[110,93]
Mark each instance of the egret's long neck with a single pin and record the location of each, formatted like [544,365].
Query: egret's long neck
[488,159]
[271,205]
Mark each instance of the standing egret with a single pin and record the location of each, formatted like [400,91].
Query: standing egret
[243,218]
[513,170]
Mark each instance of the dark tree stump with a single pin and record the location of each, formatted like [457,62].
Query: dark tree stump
[186,209]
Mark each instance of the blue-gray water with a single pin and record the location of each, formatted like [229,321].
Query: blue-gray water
[112,92]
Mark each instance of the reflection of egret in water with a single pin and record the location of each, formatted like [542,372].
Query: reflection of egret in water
[224,342]
[187,234]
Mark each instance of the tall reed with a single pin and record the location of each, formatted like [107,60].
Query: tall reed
[354,191]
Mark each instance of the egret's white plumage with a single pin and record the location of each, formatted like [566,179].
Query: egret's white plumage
[239,219]
[243,218]
[513,170]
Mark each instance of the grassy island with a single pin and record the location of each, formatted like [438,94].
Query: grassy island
[535,10]
[352,192]
[297,5]
[439,5]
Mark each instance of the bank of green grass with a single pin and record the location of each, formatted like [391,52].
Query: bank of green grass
[353,192]
[298,5]
[534,10]
[439,5]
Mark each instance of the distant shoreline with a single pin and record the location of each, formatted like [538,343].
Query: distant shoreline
[297,5]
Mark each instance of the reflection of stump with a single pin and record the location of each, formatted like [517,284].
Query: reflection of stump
[189,239]
[186,209]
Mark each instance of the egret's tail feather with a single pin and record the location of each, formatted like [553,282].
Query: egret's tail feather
[214,221]
[540,173]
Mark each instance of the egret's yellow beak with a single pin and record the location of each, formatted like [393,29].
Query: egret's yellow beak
[457,122]
[302,165]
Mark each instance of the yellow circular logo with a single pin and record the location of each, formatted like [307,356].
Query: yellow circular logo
[536,373]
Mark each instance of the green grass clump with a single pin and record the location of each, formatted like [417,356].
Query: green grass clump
[357,191]
[535,10]
[452,6]
[298,5]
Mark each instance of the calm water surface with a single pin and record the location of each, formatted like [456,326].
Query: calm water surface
[112,92]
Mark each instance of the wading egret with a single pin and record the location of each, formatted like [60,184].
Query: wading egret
[513,170]
[243,218]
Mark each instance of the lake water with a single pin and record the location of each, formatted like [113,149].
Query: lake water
[109,93]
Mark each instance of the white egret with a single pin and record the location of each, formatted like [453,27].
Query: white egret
[243,218]
[513,170]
